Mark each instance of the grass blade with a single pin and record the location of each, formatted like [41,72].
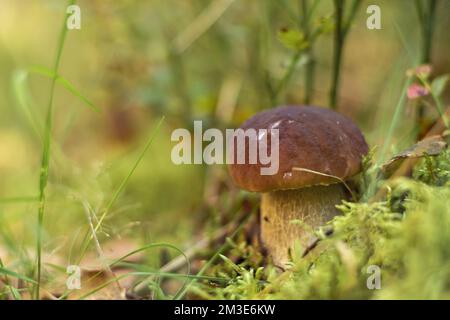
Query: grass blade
[11,273]
[123,185]
[127,178]
[45,163]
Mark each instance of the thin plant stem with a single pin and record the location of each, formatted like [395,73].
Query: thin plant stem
[427,17]
[437,101]
[287,76]
[310,65]
[45,163]
[419,10]
[127,178]
[395,120]
[342,27]
[100,253]
[309,74]
[428,31]
[353,10]
[337,53]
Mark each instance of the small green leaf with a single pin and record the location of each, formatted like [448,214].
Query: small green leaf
[293,39]
[438,84]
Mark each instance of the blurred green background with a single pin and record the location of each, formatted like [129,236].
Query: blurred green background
[186,60]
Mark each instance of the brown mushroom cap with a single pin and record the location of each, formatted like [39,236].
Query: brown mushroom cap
[312,138]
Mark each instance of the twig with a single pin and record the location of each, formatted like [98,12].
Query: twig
[313,244]
[179,262]
[191,253]
[205,267]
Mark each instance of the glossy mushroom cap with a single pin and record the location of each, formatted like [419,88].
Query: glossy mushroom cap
[312,138]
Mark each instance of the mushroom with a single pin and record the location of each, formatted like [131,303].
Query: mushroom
[329,146]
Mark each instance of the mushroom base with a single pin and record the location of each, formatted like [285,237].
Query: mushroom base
[313,206]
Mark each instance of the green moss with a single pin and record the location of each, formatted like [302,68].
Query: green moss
[434,170]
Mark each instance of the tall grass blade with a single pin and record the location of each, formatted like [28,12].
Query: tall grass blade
[123,185]
[127,178]
[45,163]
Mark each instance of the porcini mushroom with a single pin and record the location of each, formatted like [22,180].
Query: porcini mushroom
[329,146]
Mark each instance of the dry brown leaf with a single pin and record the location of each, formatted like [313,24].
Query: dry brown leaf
[431,146]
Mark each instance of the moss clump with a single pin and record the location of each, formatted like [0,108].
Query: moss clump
[434,170]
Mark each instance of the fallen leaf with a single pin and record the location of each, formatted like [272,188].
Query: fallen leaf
[431,146]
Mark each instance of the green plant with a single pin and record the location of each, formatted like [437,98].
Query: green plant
[45,164]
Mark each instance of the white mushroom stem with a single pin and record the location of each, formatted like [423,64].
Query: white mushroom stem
[313,206]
